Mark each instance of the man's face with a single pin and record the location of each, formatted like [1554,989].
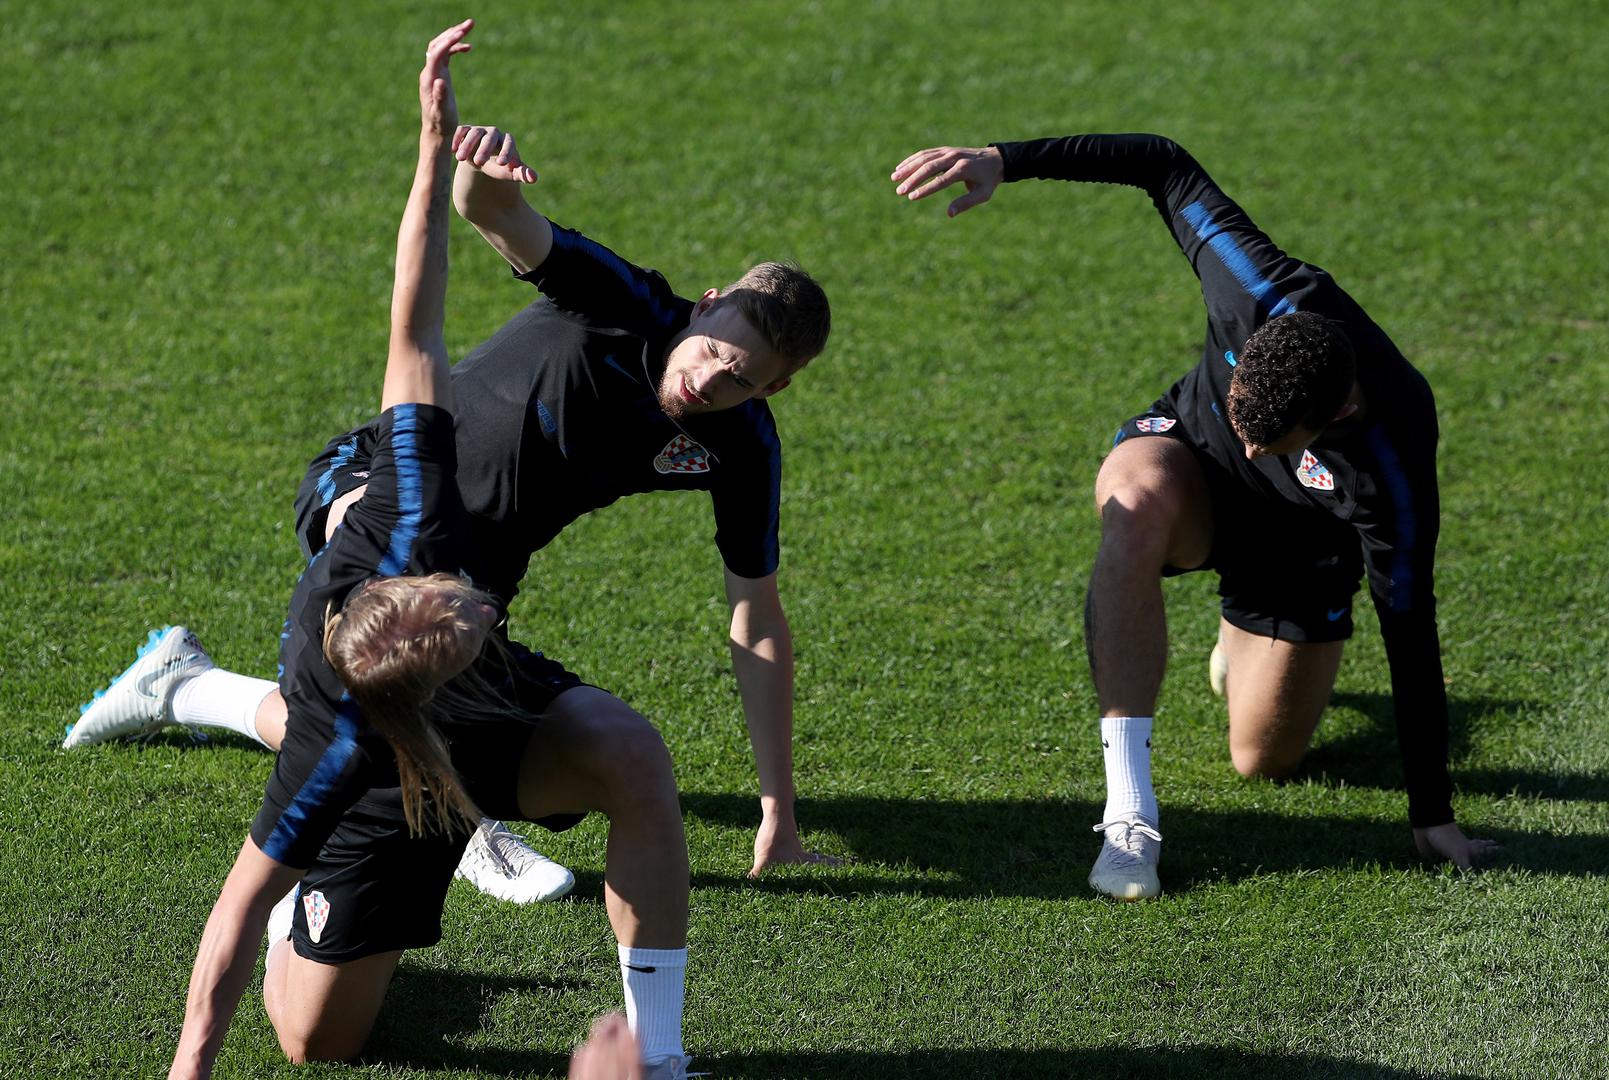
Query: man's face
[720,361]
[1293,441]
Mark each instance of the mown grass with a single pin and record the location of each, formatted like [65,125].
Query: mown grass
[201,209]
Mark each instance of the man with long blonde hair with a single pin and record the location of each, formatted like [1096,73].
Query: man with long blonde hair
[409,716]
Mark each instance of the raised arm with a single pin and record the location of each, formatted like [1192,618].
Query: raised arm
[1157,165]
[1245,277]
[570,269]
[486,191]
[416,364]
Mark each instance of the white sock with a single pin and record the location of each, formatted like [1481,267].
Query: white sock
[1126,746]
[654,979]
[222,699]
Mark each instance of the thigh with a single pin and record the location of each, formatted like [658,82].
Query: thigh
[590,749]
[1277,691]
[1153,495]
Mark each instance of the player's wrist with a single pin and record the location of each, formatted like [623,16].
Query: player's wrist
[777,807]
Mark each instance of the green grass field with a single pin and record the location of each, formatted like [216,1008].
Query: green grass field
[200,216]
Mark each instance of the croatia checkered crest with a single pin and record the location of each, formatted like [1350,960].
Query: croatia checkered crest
[318,914]
[1312,473]
[682,455]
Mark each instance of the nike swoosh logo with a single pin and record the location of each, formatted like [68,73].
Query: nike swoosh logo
[612,362]
[644,970]
[142,685]
[1335,615]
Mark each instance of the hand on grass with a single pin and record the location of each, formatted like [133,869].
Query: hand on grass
[610,1052]
[778,843]
[438,109]
[926,171]
[492,153]
[1449,842]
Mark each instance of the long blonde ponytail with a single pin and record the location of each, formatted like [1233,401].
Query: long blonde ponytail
[394,645]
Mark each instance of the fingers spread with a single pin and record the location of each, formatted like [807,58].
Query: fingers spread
[469,143]
[488,146]
[903,169]
[925,183]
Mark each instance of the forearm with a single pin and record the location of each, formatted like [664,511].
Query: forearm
[1419,700]
[762,658]
[1143,161]
[227,958]
[497,208]
[417,366]
[223,968]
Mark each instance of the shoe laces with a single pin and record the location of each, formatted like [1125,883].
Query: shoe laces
[1128,847]
[506,851]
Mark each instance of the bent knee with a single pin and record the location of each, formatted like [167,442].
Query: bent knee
[636,757]
[307,1047]
[1264,763]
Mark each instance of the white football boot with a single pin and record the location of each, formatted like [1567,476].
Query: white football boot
[141,699]
[1130,852]
[499,863]
[1218,670]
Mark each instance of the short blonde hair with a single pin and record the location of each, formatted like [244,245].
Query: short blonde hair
[788,307]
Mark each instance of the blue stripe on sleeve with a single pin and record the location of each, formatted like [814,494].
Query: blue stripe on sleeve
[326,483]
[1400,595]
[410,490]
[293,822]
[572,242]
[1236,260]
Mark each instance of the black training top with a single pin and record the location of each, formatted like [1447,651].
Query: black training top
[558,414]
[410,521]
[1379,474]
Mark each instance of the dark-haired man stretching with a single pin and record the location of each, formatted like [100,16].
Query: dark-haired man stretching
[1299,452]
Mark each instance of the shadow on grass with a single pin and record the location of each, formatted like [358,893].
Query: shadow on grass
[1094,1063]
[1370,758]
[426,1010]
[1044,848]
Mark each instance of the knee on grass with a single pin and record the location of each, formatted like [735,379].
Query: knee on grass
[306,1046]
[1264,762]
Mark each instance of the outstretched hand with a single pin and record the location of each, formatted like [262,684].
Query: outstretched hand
[981,169]
[1449,842]
[492,153]
[438,109]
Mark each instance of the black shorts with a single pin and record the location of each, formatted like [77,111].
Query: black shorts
[342,466]
[374,888]
[1284,571]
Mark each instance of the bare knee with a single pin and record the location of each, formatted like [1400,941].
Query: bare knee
[635,766]
[1154,506]
[1264,762]
[1137,527]
[321,1042]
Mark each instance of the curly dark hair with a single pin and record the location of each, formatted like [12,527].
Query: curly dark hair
[1295,371]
